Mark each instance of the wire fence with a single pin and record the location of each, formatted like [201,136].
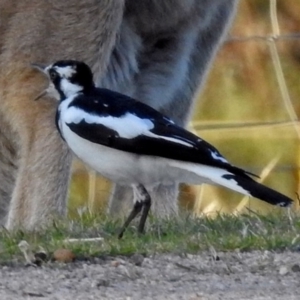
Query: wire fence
[271,40]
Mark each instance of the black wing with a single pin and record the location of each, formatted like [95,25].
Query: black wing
[164,139]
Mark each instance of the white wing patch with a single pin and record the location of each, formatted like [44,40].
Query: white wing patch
[215,155]
[128,126]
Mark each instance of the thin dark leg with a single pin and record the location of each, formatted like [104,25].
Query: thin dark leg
[145,212]
[135,211]
[142,200]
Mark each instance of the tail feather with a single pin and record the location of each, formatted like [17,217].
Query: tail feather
[235,179]
[258,190]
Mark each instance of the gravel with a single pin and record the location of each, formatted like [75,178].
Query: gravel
[255,275]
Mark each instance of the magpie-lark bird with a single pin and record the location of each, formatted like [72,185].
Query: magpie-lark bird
[131,143]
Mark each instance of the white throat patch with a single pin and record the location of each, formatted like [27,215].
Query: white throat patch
[69,88]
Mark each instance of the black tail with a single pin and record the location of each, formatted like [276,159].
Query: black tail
[260,191]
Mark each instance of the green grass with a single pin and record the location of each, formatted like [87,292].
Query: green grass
[182,235]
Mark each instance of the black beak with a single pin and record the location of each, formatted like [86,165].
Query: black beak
[39,67]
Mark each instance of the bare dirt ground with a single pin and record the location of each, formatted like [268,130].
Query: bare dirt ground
[238,276]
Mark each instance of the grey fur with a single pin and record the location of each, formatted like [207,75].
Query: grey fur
[168,75]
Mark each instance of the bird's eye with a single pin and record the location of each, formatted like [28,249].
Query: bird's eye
[53,75]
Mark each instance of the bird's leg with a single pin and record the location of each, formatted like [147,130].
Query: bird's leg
[146,200]
[136,209]
[141,199]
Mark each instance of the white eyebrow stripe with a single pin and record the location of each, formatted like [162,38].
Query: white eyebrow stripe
[66,71]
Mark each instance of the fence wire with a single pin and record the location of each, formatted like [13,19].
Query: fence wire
[271,41]
[278,67]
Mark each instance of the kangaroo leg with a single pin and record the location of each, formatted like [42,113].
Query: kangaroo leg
[173,63]
[36,31]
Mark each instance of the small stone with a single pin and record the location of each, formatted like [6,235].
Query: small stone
[296,268]
[41,255]
[190,256]
[137,259]
[61,277]
[103,282]
[33,294]
[63,255]
[174,278]
[40,258]
[115,263]
[283,270]
[148,262]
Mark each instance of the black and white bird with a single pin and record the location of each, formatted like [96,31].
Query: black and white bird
[131,143]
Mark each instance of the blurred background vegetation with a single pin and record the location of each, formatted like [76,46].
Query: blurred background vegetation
[242,111]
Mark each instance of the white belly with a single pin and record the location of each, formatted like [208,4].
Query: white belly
[125,167]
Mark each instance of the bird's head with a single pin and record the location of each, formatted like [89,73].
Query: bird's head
[67,77]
